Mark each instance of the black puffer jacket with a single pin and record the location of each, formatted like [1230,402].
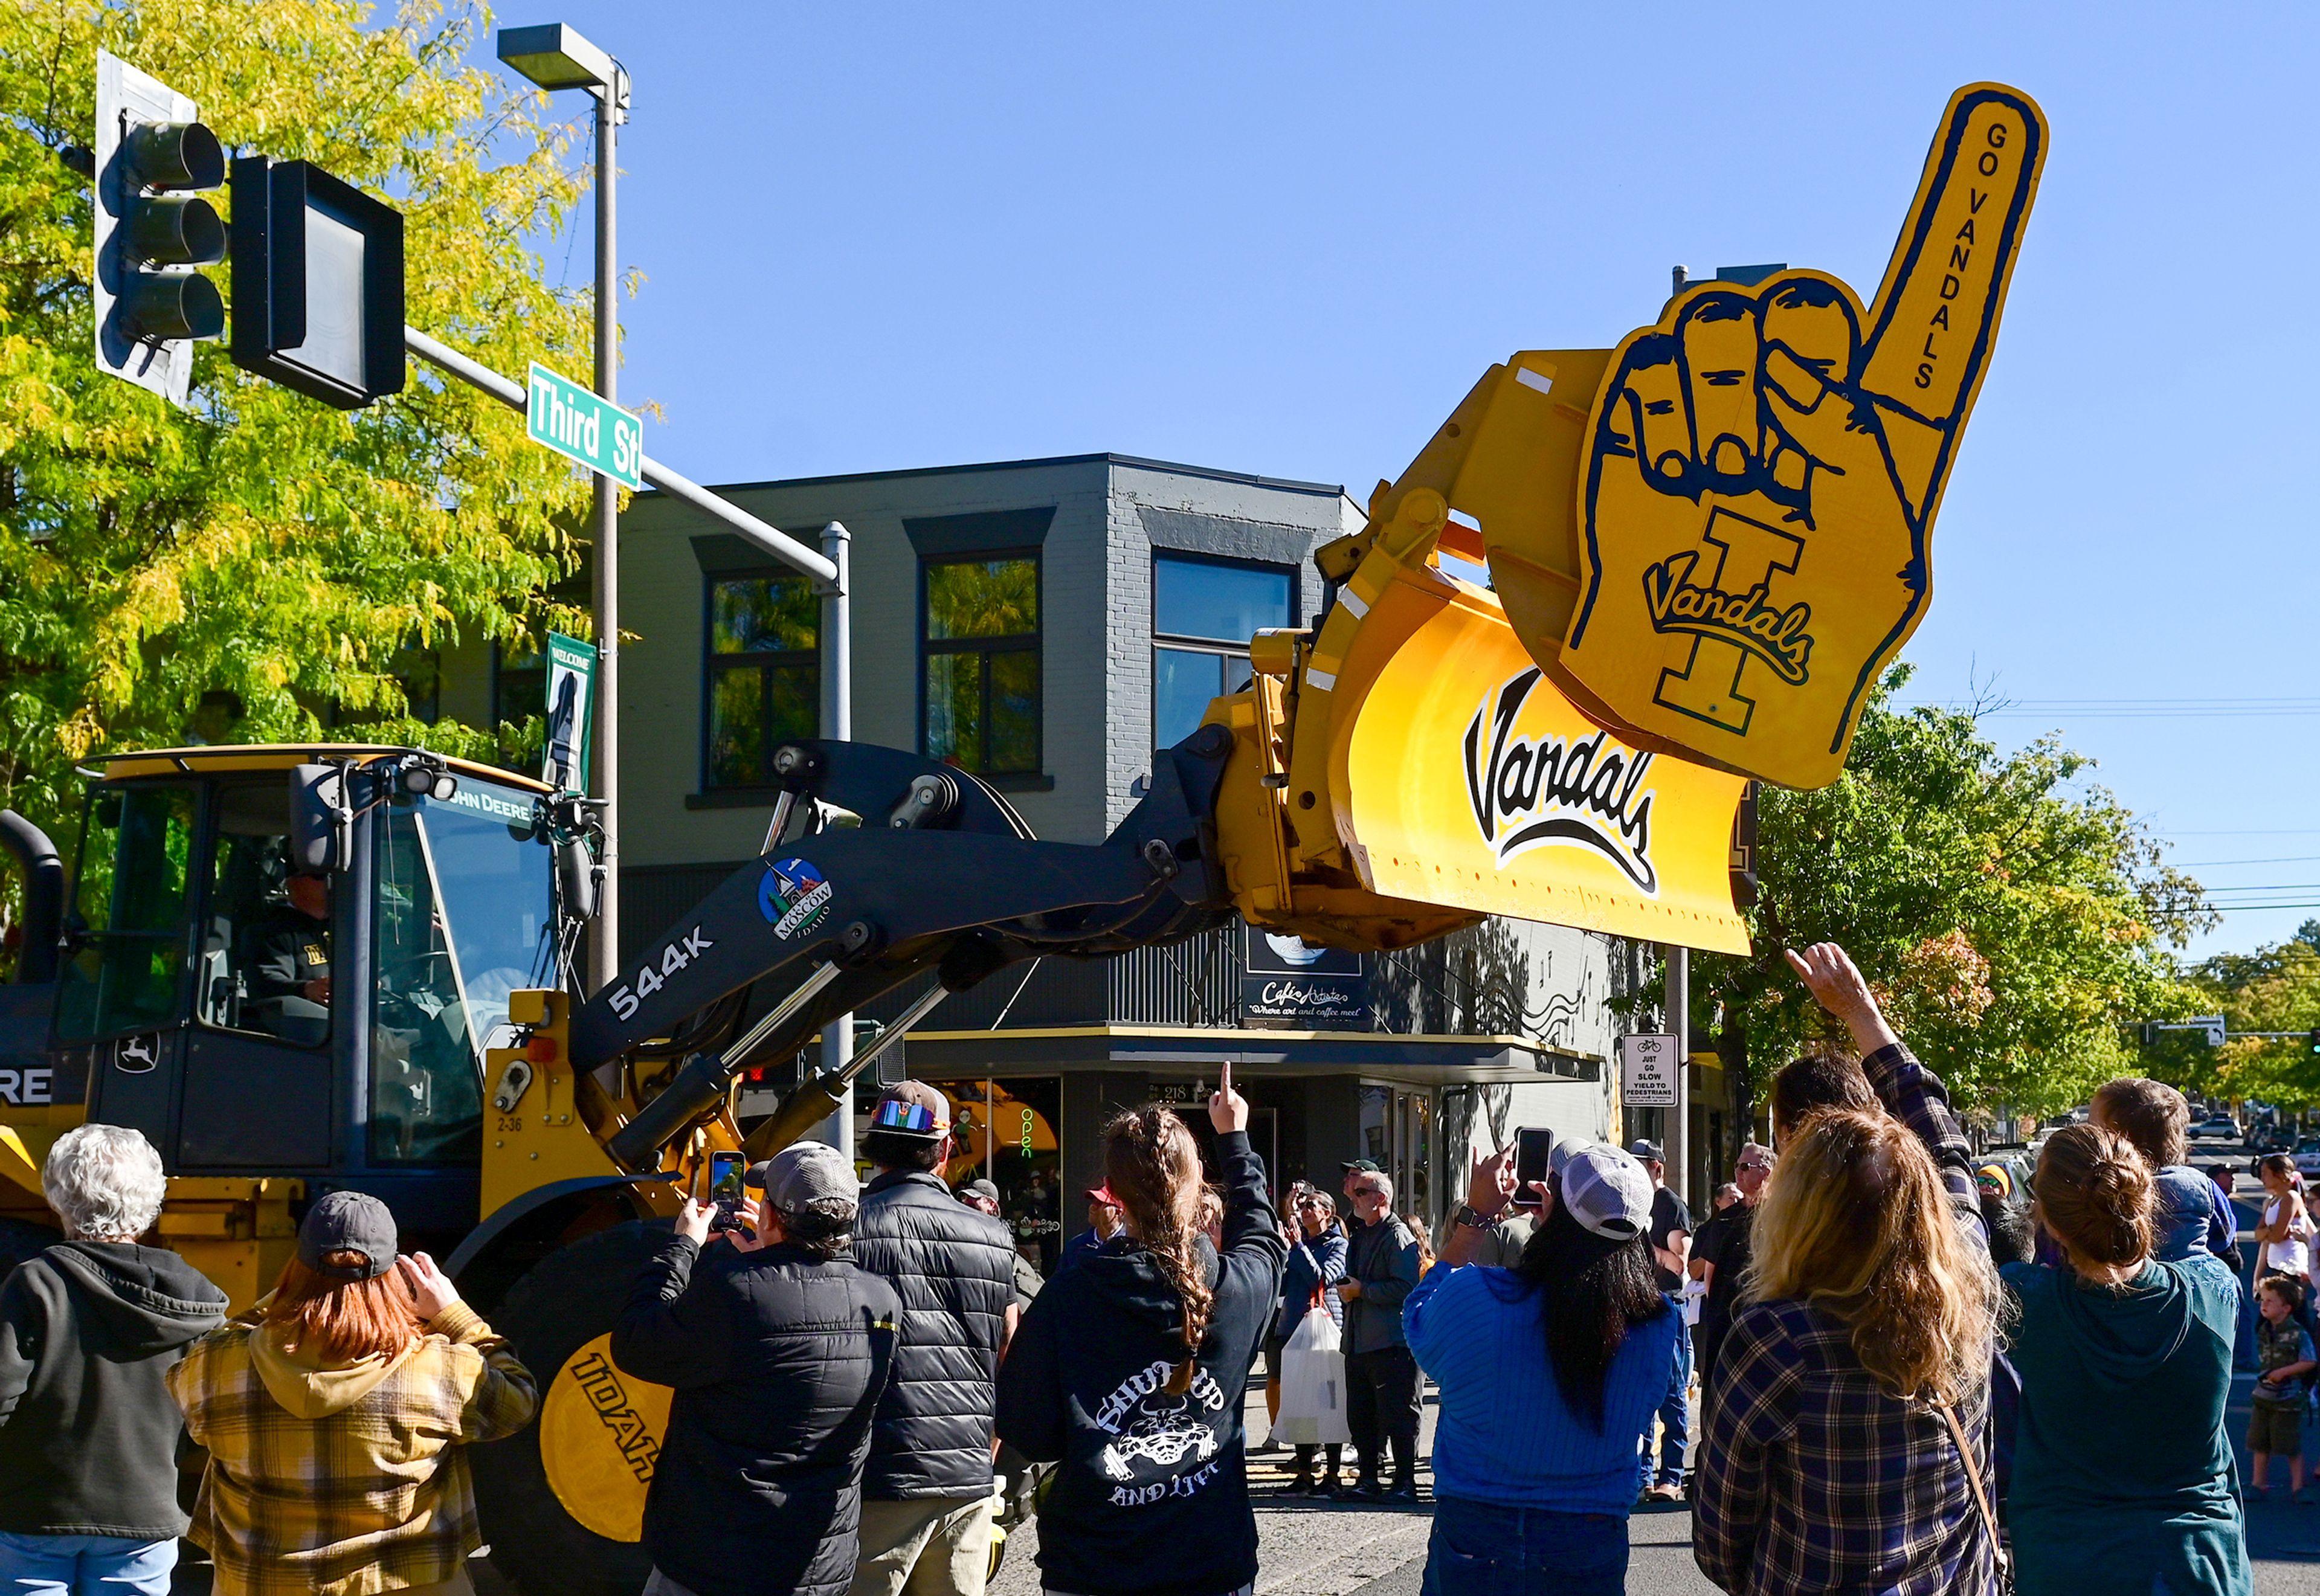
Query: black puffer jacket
[777,1357]
[954,1270]
[88,1434]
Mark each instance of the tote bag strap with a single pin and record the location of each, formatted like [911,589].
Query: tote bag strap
[1981,1496]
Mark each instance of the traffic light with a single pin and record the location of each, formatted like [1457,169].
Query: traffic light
[2312,1044]
[317,283]
[152,159]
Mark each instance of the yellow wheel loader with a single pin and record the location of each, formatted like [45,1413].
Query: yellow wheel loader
[303,968]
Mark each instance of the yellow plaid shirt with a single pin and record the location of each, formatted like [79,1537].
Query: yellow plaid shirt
[374,1498]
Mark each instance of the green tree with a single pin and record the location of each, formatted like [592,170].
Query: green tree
[2274,988]
[259,549]
[2014,919]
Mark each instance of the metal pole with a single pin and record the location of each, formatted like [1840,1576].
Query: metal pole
[837,725]
[604,772]
[770,538]
[1678,1025]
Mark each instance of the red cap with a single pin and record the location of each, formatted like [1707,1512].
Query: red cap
[1102,1194]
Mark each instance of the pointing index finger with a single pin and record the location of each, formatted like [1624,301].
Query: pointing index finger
[1937,311]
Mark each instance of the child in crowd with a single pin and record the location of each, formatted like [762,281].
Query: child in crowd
[2284,1355]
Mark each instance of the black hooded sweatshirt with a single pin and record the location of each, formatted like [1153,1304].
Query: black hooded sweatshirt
[89,1433]
[1151,1496]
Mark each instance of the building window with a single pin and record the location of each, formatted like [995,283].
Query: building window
[981,652]
[764,675]
[1204,614]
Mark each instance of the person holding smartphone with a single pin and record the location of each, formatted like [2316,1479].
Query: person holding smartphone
[778,1348]
[1549,1374]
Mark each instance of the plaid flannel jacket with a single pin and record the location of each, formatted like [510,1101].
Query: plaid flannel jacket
[371,1499]
[1816,1478]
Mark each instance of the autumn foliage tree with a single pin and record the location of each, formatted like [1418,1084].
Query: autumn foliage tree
[2016,920]
[254,566]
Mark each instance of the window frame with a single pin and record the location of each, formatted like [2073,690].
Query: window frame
[763,661]
[1184,643]
[1033,642]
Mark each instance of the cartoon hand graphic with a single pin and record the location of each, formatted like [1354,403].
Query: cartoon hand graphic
[1763,466]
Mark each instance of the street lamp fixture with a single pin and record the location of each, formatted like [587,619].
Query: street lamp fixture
[556,57]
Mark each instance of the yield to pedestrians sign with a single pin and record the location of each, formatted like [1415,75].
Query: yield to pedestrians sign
[591,432]
[1648,1067]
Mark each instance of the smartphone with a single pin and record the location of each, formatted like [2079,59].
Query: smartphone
[1534,1147]
[725,1188]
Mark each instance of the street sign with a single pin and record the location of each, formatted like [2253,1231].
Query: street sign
[1647,1072]
[584,428]
[571,685]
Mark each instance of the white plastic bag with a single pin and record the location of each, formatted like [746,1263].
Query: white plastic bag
[1312,1385]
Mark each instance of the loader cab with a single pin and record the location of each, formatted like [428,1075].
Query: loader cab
[255,1015]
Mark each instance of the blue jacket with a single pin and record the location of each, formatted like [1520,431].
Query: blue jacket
[1507,1436]
[1319,1261]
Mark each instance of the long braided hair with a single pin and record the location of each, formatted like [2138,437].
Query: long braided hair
[1152,1167]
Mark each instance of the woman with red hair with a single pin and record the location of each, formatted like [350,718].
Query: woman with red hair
[336,1411]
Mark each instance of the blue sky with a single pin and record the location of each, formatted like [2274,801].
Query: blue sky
[1285,239]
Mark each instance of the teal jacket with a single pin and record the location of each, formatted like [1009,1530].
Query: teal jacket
[2124,1478]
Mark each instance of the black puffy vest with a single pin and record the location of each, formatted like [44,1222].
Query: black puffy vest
[954,1269]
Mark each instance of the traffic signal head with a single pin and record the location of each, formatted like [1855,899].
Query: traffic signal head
[2312,1044]
[154,232]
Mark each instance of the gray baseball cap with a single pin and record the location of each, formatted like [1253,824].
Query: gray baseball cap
[802,1172]
[1607,1192]
[980,1188]
[347,1221]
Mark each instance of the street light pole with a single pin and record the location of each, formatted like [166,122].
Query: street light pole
[556,56]
[605,949]
[837,725]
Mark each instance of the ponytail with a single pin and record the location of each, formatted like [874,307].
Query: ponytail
[1152,1167]
[2095,1192]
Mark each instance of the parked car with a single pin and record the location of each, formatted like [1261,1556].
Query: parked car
[2216,1126]
[2307,1156]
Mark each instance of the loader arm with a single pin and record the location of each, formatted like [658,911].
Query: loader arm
[940,877]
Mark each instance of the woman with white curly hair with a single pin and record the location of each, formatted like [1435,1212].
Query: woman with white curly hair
[88,1328]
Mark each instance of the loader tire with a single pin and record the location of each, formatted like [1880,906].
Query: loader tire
[565,1301]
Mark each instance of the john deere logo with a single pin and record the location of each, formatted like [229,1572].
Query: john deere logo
[1555,792]
[793,897]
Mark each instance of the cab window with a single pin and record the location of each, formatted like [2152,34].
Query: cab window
[265,957]
[426,1081]
[128,926]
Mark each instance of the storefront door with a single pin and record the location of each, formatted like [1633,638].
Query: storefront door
[1398,1135]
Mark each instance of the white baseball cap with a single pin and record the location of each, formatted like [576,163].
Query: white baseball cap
[1608,1192]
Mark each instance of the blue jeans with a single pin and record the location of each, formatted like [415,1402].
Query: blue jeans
[1674,1414]
[85,1566]
[1478,1549]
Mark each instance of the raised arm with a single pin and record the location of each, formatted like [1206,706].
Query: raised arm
[666,1332]
[1249,1227]
[1911,1092]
